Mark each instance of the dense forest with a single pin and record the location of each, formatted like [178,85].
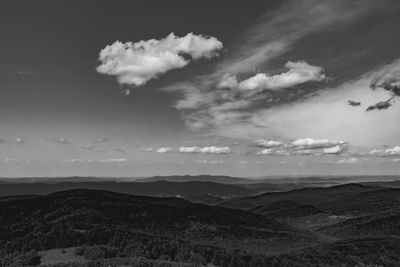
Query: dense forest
[296,228]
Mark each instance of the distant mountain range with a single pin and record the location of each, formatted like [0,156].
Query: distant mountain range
[204,189]
[309,180]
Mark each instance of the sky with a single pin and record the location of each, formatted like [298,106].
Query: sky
[254,88]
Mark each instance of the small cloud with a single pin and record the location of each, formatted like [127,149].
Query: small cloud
[351,160]
[273,152]
[60,140]
[18,141]
[310,143]
[77,160]
[101,140]
[92,148]
[112,160]
[24,72]
[388,79]
[120,150]
[11,160]
[204,161]
[299,72]
[267,143]
[205,150]
[117,160]
[164,150]
[381,105]
[147,149]
[390,152]
[89,147]
[333,150]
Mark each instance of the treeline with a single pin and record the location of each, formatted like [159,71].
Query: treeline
[356,253]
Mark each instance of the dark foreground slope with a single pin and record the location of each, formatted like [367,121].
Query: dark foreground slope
[340,226]
[137,226]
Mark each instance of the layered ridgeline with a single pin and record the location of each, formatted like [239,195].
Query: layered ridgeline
[346,225]
[204,189]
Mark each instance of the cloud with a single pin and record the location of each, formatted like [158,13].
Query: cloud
[267,144]
[18,140]
[164,150]
[388,78]
[212,106]
[276,32]
[351,160]
[120,150]
[60,140]
[205,150]
[116,160]
[390,152]
[333,150]
[299,72]
[233,102]
[305,146]
[101,140]
[274,152]
[24,72]
[111,160]
[89,147]
[325,115]
[92,148]
[310,143]
[147,149]
[204,161]
[137,63]
[381,105]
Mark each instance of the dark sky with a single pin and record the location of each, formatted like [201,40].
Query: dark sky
[50,89]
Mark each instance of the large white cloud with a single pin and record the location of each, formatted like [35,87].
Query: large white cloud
[299,72]
[137,63]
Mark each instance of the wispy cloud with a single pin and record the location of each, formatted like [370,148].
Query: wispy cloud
[276,32]
[205,150]
[18,140]
[303,146]
[81,160]
[310,143]
[63,141]
[267,143]
[119,150]
[299,72]
[101,140]
[92,148]
[389,152]
[351,160]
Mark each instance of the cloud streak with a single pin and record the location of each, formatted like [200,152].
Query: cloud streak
[299,72]
[205,150]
